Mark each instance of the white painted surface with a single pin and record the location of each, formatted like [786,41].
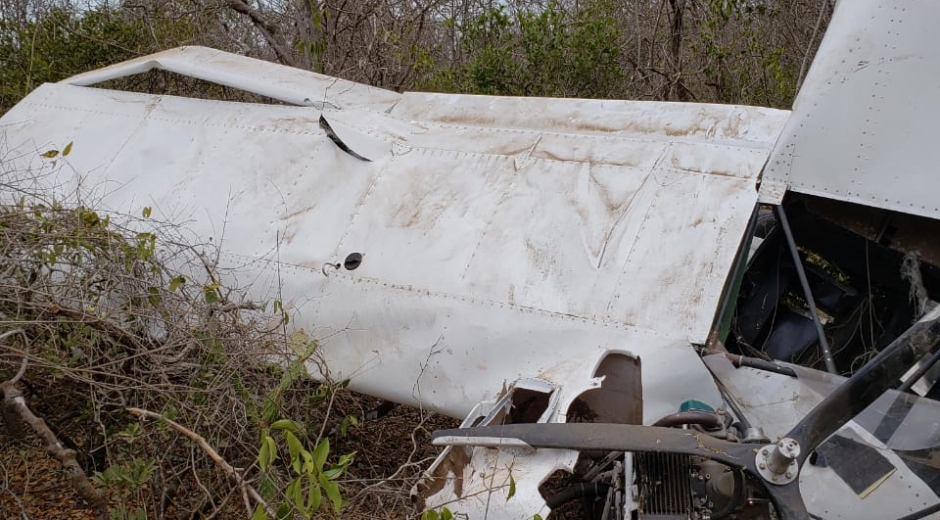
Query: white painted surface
[778,402]
[519,249]
[293,86]
[864,124]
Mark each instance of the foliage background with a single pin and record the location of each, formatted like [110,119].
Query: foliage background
[723,51]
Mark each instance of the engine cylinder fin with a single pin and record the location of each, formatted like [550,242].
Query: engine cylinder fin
[665,487]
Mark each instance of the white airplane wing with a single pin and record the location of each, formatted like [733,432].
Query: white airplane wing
[447,250]
[500,238]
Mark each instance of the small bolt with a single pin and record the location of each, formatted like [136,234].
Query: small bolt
[762,466]
[789,474]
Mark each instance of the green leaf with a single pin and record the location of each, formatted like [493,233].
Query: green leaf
[308,462]
[211,293]
[318,396]
[333,473]
[320,453]
[537,517]
[288,425]
[260,513]
[146,212]
[268,453]
[512,488]
[430,514]
[344,425]
[295,447]
[345,459]
[263,455]
[154,296]
[284,512]
[267,486]
[270,440]
[176,283]
[89,218]
[446,514]
[332,492]
[51,154]
[295,493]
[67,150]
[314,498]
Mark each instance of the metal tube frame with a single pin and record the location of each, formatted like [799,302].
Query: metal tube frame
[807,293]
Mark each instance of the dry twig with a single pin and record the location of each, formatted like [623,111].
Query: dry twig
[14,399]
[214,455]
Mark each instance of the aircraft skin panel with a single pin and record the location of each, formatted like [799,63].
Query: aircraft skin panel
[537,246]
[211,170]
[294,86]
[739,126]
[445,352]
[863,127]
[554,236]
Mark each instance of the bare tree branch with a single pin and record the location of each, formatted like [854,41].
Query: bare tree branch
[92,496]
[22,371]
[270,31]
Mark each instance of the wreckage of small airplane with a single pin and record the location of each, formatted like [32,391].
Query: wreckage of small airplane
[644,306]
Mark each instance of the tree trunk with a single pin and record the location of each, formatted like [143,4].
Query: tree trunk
[676,89]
